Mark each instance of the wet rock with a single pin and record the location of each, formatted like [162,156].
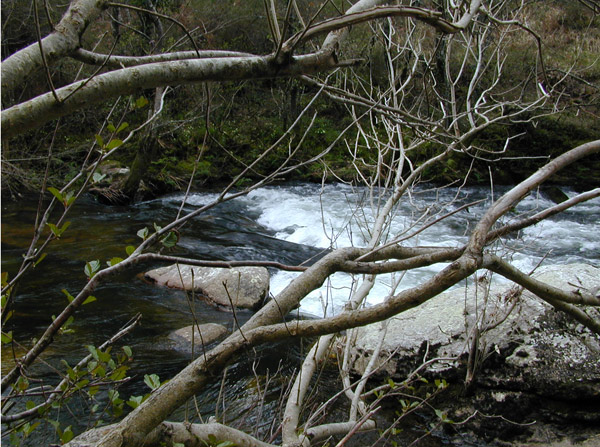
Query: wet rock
[513,324]
[244,287]
[444,326]
[202,335]
[537,370]
[554,193]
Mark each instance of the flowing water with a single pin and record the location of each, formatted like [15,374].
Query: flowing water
[290,224]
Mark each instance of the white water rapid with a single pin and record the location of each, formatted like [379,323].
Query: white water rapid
[338,215]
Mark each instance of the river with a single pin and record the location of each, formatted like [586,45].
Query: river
[288,223]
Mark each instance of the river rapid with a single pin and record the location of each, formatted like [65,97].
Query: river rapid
[288,223]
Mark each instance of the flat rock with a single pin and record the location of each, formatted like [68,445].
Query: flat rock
[201,335]
[522,329]
[243,287]
[537,369]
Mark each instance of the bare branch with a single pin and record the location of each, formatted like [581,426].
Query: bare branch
[61,42]
[538,217]
[89,57]
[556,297]
[162,16]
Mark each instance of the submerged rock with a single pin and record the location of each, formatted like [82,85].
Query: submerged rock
[244,287]
[201,335]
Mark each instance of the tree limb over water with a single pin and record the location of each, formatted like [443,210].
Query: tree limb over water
[441,85]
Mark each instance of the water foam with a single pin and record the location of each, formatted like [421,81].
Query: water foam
[339,216]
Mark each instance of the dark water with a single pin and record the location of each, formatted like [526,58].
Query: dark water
[101,232]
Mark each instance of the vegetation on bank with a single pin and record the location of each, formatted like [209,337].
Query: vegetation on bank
[212,131]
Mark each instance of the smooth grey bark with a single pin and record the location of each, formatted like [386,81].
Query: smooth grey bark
[65,41]
[91,58]
[132,430]
[58,44]
[44,108]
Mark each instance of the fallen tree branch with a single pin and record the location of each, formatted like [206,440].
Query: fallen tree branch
[560,299]
[509,228]
[92,58]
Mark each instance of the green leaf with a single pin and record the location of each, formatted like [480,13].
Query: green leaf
[28,428]
[69,322]
[56,193]
[69,296]
[4,279]
[69,199]
[127,350]
[134,401]
[99,140]
[93,390]
[111,127]
[100,371]
[93,351]
[227,444]
[54,229]
[22,384]
[81,384]
[103,356]
[119,373]
[40,259]
[143,233]
[140,102]
[29,405]
[91,268]
[113,395]
[114,261]
[58,231]
[114,143]
[67,435]
[153,381]
[7,337]
[89,299]
[156,227]
[129,249]
[170,240]
[122,127]
[71,373]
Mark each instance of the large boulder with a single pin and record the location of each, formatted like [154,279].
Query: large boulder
[512,323]
[197,336]
[533,364]
[244,287]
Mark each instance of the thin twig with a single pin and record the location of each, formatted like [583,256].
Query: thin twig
[163,16]
[44,61]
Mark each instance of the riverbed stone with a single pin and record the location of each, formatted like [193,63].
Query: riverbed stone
[520,325]
[201,334]
[240,287]
[538,367]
